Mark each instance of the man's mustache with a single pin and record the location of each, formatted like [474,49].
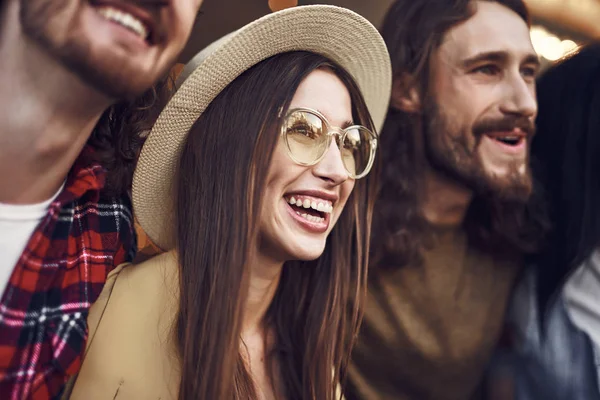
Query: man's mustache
[505,124]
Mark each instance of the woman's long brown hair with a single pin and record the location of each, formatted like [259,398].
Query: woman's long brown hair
[220,184]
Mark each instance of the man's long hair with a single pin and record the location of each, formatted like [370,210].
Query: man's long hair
[413,31]
[120,132]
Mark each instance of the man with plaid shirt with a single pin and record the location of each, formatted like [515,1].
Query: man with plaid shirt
[69,135]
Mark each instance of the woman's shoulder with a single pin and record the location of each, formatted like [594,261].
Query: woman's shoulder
[140,289]
[131,346]
[151,274]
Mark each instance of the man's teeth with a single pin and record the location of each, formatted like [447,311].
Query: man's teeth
[124,19]
[512,140]
[324,206]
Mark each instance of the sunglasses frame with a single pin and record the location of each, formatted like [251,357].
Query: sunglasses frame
[332,131]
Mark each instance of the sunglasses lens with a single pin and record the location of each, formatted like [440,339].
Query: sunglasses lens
[306,136]
[356,150]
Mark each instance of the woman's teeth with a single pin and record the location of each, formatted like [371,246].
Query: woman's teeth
[311,218]
[322,206]
[124,19]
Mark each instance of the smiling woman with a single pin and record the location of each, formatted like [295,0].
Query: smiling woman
[256,179]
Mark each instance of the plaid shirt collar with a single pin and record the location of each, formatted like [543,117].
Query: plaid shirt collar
[43,311]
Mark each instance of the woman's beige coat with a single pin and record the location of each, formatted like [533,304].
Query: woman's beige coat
[131,354]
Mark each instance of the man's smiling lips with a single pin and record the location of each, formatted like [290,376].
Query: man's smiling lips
[513,142]
[128,16]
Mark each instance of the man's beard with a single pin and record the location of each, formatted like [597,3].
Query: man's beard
[113,79]
[450,153]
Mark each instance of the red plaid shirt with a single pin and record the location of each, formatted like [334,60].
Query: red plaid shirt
[43,312]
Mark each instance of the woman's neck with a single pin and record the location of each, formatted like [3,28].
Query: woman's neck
[265,274]
[257,338]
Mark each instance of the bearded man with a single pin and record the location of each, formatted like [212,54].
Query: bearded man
[448,235]
[73,76]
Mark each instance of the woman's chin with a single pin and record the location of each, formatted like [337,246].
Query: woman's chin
[308,252]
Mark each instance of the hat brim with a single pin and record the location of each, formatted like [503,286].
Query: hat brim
[334,32]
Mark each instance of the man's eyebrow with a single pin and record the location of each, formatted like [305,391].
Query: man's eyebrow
[497,56]
[532,59]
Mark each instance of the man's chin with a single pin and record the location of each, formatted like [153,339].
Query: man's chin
[117,88]
[114,83]
[513,188]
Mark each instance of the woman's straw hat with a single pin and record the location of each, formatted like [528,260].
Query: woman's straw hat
[334,32]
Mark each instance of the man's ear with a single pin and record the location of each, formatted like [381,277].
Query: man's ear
[405,95]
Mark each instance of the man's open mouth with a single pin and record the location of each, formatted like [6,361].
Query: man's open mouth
[513,138]
[124,17]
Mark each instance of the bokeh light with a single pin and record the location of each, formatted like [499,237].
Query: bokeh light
[550,46]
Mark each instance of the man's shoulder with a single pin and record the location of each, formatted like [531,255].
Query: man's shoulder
[106,219]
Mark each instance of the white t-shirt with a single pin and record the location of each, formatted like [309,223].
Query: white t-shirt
[17,223]
[582,297]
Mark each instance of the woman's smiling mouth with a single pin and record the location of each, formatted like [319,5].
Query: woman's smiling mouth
[312,212]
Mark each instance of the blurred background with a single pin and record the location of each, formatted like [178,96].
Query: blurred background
[559,25]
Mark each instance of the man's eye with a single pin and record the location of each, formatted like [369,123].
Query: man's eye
[529,72]
[489,69]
